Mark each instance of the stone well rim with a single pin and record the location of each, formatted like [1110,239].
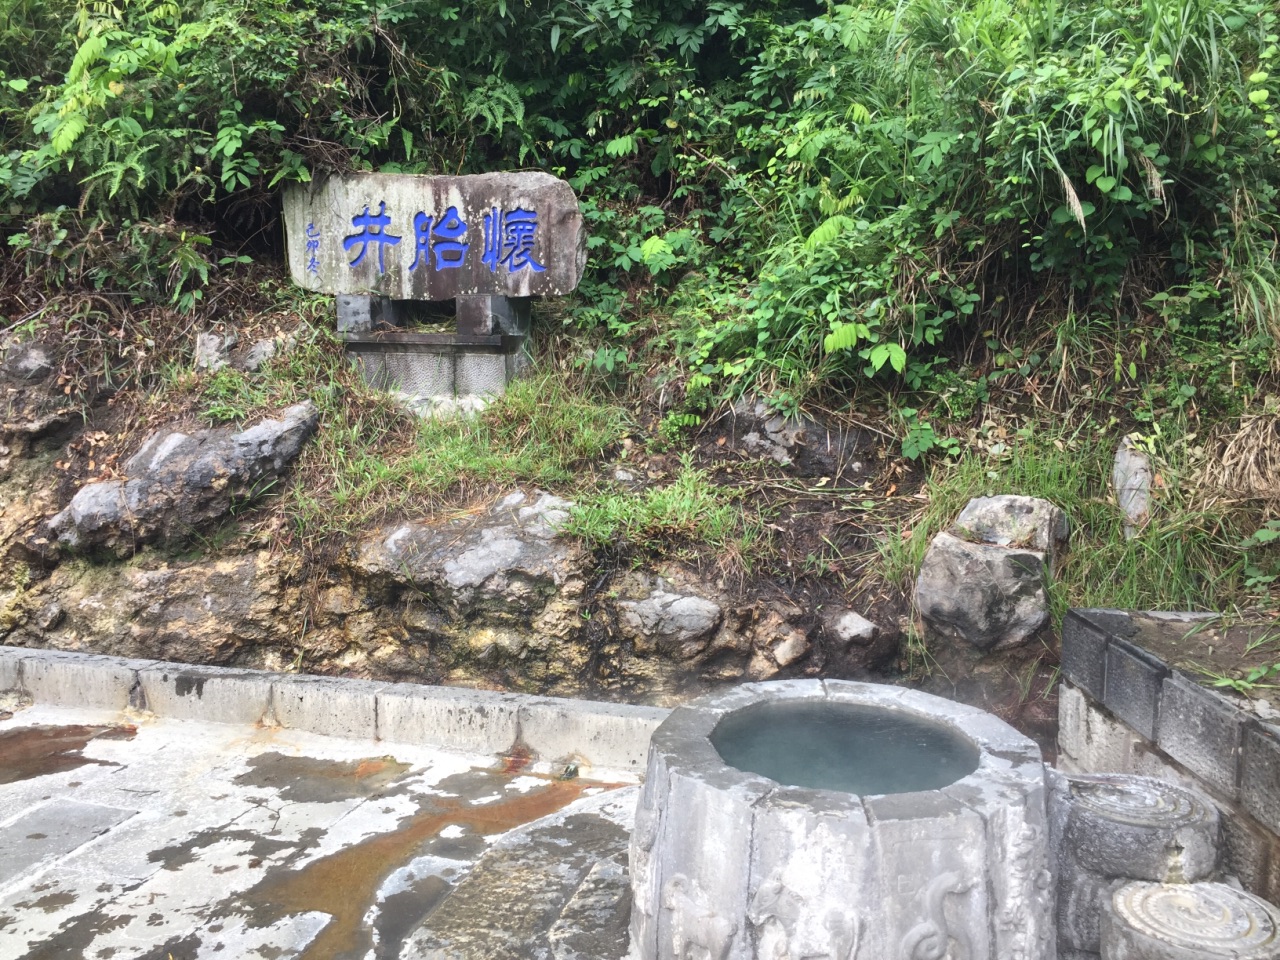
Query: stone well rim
[1006,758]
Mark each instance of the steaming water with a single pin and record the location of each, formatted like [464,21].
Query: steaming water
[843,746]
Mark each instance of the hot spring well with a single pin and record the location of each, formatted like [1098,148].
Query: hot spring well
[847,821]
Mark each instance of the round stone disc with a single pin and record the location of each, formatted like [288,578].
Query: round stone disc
[1138,800]
[1188,921]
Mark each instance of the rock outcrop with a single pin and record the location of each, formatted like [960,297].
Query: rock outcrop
[177,483]
[809,447]
[672,623]
[505,561]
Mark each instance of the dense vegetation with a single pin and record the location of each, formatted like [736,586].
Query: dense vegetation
[951,211]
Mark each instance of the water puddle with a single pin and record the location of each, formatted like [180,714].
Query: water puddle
[27,752]
[345,884]
[308,780]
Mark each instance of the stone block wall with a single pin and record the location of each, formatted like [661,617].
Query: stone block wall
[1123,710]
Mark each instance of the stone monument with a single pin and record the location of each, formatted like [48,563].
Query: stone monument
[489,243]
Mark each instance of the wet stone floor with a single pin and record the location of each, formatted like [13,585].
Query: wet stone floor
[150,839]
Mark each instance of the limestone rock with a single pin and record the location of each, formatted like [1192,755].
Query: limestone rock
[673,623]
[790,647]
[207,611]
[177,482]
[258,356]
[507,561]
[856,646]
[1131,478]
[991,596]
[212,350]
[801,442]
[33,405]
[848,628]
[1013,521]
[26,362]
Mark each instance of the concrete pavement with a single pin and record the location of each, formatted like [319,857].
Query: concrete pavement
[127,835]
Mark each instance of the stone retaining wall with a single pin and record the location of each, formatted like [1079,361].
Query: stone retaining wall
[607,737]
[1123,710]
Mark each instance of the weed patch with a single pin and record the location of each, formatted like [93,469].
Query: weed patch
[690,512]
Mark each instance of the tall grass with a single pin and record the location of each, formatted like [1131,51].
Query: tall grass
[1187,557]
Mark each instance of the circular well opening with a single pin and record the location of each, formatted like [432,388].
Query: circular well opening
[849,747]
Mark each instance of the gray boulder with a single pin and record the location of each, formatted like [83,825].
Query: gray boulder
[1013,521]
[986,579]
[1131,478]
[679,624]
[506,561]
[178,482]
[991,596]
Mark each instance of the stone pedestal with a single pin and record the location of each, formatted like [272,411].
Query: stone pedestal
[1112,829]
[482,316]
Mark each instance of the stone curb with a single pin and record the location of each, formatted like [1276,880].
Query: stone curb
[1196,726]
[604,736]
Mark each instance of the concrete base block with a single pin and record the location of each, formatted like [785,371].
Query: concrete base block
[480,373]
[475,721]
[331,707]
[519,362]
[417,374]
[207,693]
[85,680]
[360,314]
[613,736]
[484,315]
[355,313]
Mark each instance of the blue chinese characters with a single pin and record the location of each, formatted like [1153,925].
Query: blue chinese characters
[440,241]
[508,239]
[443,240]
[313,248]
[374,231]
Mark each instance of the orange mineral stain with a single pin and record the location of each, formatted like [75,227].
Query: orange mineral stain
[344,884]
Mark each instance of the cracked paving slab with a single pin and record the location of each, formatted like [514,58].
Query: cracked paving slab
[139,838]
